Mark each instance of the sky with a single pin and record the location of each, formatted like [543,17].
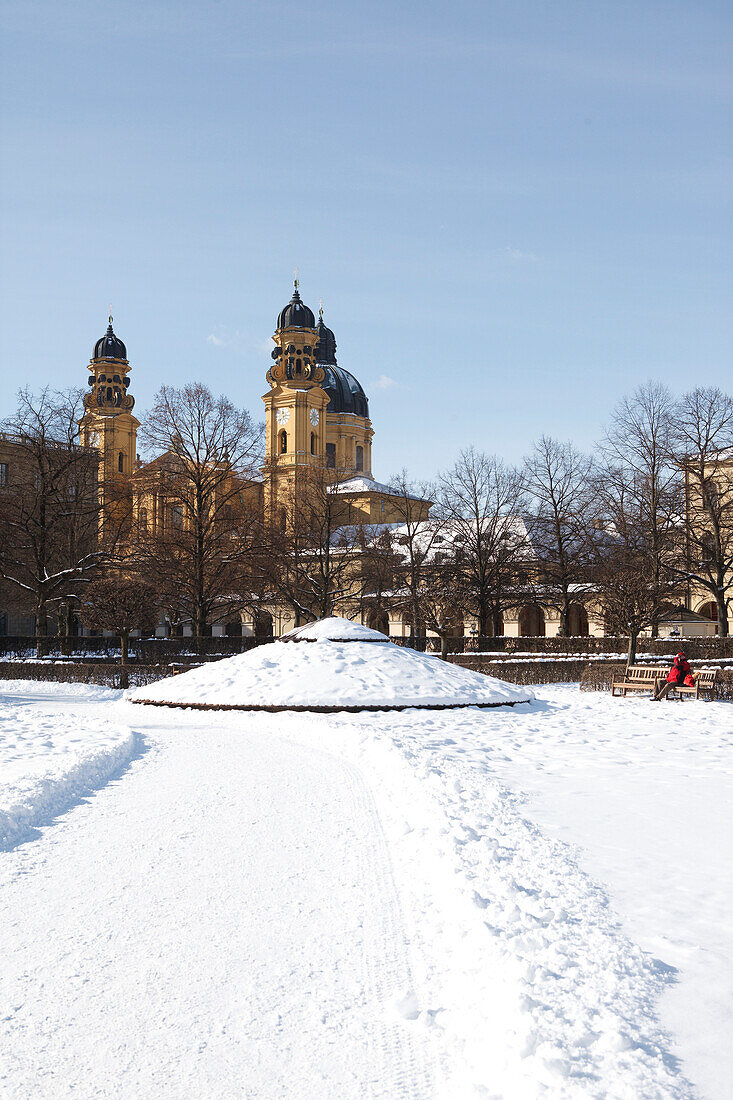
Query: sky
[514,212]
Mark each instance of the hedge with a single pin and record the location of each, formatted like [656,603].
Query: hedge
[105,675]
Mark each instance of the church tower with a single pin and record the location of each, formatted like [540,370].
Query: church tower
[295,407]
[108,422]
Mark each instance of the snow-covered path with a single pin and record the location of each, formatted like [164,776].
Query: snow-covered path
[444,906]
[219,922]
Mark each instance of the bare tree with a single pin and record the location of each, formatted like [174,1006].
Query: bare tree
[202,533]
[704,444]
[481,501]
[624,554]
[120,604]
[50,509]
[413,540]
[639,446]
[558,481]
[315,557]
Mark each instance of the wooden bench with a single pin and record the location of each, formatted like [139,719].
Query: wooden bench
[639,678]
[704,685]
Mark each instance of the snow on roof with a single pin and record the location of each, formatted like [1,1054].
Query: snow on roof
[362,485]
[344,672]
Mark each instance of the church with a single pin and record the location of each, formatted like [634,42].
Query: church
[316,416]
[316,419]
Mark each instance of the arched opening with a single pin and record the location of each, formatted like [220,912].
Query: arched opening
[283,519]
[360,458]
[707,548]
[121,462]
[283,443]
[298,366]
[142,519]
[263,625]
[531,621]
[709,611]
[313,443]
[331,456]
[378,620]
[577,621]
[109,393]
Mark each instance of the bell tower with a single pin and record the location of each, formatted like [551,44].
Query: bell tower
[295,407]
[108,422]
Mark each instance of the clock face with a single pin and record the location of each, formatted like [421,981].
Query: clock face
[314,417]
[283,415]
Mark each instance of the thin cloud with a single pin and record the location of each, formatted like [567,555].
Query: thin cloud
[384,382]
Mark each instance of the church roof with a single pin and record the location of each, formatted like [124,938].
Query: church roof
[109,346]
[344,391]
[296,314]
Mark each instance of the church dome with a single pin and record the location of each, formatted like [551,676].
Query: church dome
[296,314]
[109,346]
[345,393]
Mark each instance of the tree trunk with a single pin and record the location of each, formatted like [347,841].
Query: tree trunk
[41,629]
[124,676]
[444,647]
[631,655]
[722,615]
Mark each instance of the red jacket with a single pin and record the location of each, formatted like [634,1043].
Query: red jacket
[679,671]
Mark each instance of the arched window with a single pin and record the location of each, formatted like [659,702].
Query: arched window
[313,443]
[283,519]
[283,443]
[177,517]
[121,462]
[109,393]
[142,517]
[360,458]
[298,366]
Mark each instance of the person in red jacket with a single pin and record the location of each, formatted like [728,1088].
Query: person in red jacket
[680,673]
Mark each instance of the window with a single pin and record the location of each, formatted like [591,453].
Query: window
[283,443]
[3,474]
[360,458]
[109,393]
[143,519]
[177,517]
[298,366]
[331,456]
[121,462]
[313,443]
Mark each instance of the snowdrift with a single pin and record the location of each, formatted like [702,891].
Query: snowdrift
[331,665]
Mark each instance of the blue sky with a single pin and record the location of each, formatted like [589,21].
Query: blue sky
[513,211]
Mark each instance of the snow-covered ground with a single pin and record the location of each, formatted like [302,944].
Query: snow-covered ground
[50,756]
[509,903]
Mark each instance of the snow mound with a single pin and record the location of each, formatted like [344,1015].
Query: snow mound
[334,629]
[344,671]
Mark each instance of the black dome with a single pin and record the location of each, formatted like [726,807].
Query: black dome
[346,394]
[325,343]
[110,346]
[296,314]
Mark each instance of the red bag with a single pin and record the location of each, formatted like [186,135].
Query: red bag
[689,682]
